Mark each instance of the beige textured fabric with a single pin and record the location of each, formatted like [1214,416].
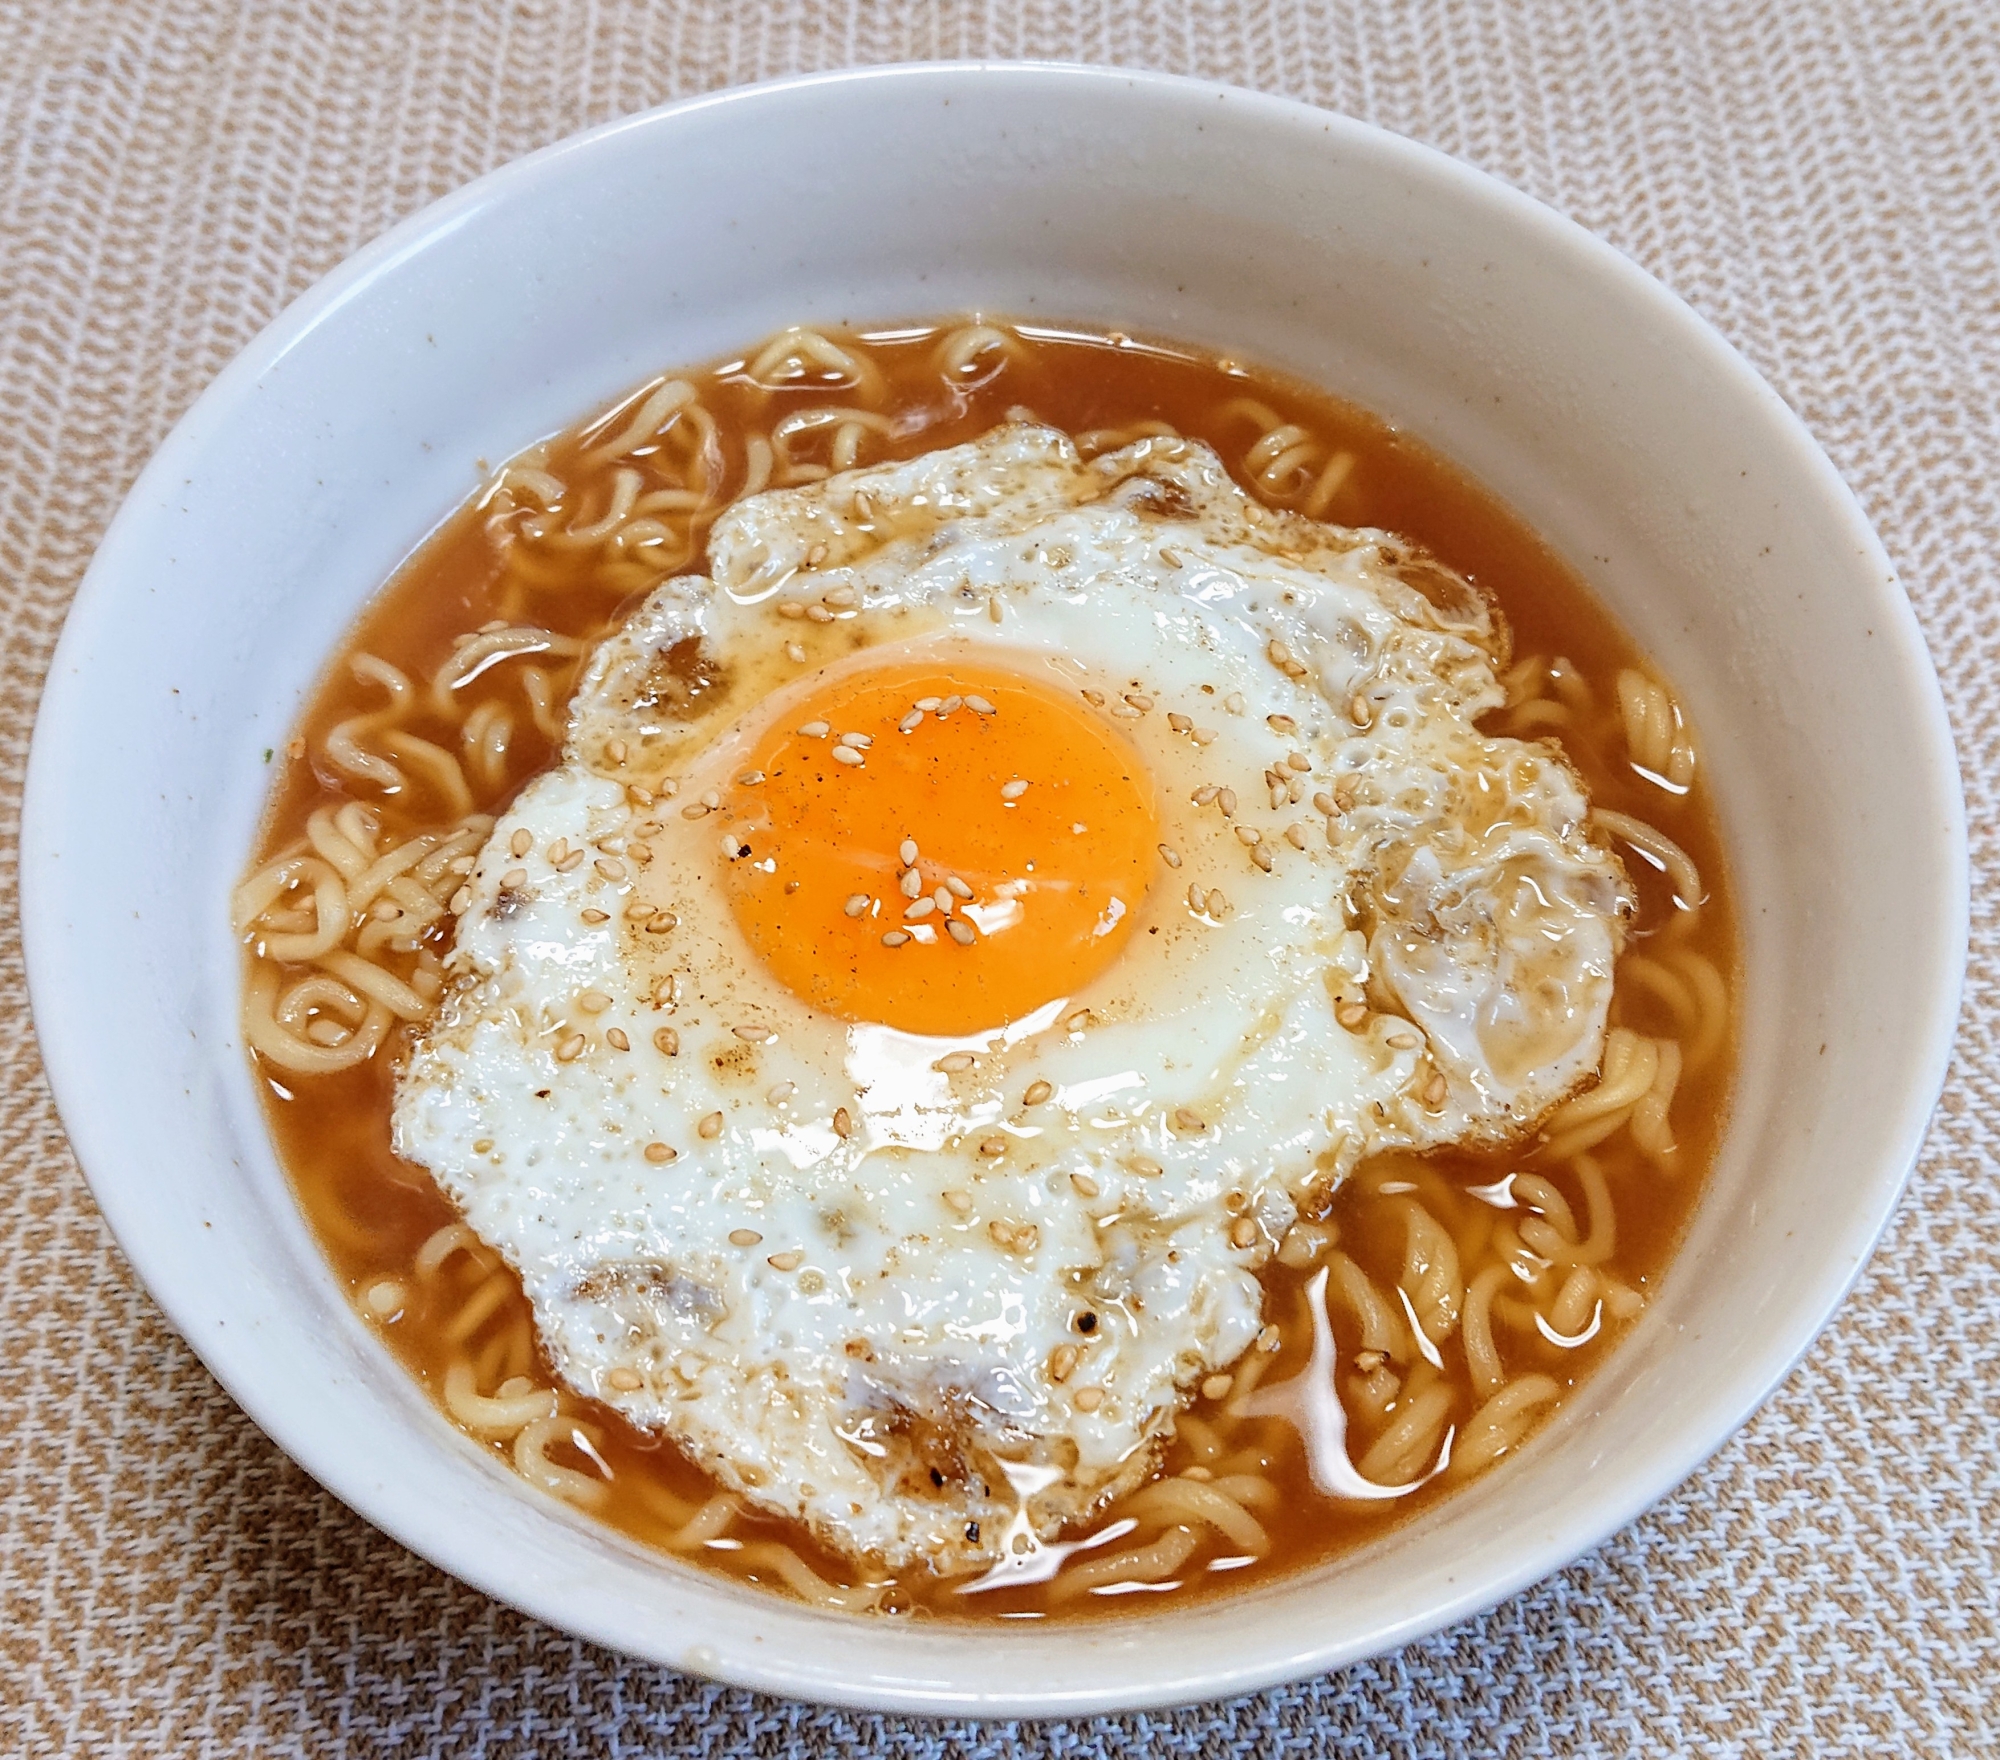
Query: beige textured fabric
[1818,178]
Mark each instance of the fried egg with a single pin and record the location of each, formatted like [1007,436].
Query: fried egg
[963,930]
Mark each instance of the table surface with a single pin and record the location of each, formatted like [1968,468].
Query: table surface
[1818,179]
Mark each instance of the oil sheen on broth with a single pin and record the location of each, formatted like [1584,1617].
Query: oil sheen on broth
[1468,1290]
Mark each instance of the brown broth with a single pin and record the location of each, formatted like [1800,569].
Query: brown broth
[372,1211]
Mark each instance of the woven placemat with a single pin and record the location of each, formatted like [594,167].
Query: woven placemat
[1817,178]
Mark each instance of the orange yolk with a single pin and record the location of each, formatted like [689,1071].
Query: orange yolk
[1032,820]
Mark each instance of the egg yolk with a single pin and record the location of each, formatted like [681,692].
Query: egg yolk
[941,849]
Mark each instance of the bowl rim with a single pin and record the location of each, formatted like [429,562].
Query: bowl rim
[75,1078]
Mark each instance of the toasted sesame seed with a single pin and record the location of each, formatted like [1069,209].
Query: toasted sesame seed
[668,789]
[818,614]
[1248,834]
[950,706]
[816,730]
[664,922]
[960,1203]
[571,862]
[558,850]
[1204,736]
[918,909]
[1145,1166]
[1013,791]
[521,842]
[1197,899]
[750,778]
[911,722]
[733,846]
[1186,1120]
[1139,700]
[1218,902]
[1178,722]
[1277,795]
[610,867]
[710,1127]
[1295,835]
[1261,854]
[980,706]
[744,1237]
[1281,724]
[926,704]
[846,755]
[1350,1014]
[957,887]
[1036,1094]
[1361,712]
[790,608]
[1402,1041]
[1298,761]
[639,795]
[843,1122]
[694,810]
[1233,702]
[570,1049]
[789,1260]
[1435,1091]
[860,741]
[993,609]
[955,1062]
[1094,698]
[1280,655]
[780,1092]
[1170,855]
[1076,1020]
[992,1146]
[941,897]
[711,799]
[616,1039]
[907,849]
[1325,803]
[615,750]
[795,653]
[642,853]
[1086,1187]
[1206,793]
[1216,1386]
[841,596]
[895,938]
[754,1035]
[1016,1237]
[637,910]
[857,902]
[1126,711]
[1062,1362]
[460,900]
[666,990]
[1088,1399]
[960,931]
[660,1153]
[910,883]
[1226,800]
[1269,1339]
[667,1042]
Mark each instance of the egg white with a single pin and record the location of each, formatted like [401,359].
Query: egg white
[903,1336]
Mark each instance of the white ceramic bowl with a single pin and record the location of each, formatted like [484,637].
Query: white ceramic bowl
[1593,400]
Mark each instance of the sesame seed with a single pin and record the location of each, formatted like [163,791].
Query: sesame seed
[911,722]
[385,912]
[993,609]
[1186,1120]
[1261,855]
[942,899]
[1361,712]
[1203,795]
[754,1035]
[925,705]
[1216,1386]
[1204,736]
[1350,1014]
[1036,1094]
[1076,1020]
[1295,835]
[1269,1339]
[1139,700]
[667,1042]
[1226,800]
[638,795]
[846,755]
[955,1062]
[666,990]
[907,849]
[1013,791]
[750,778]
[615,750]
[860,741]
[895,938]
[958,1202]
[992,1146]
[781,1092]
[1218,903]
[1086,1187]
[1280,655]
[610,867]
[1281,724]
[918,909]
[733,847]
[1325,803]
[843,1123]
[1401,1041]
[791,608]
[1435,1091]
[1277,794]
[1126,711]
[1178,722]
[694,810]
[795,653]
[950,706]
[1233,702]
[910,883]
[639,911]
[711,799]
[1016,1237]
[1197,899]
[857,903]
[818,614]
[661,1153]
[815,730]
[558,850]
[642,853]
[1248,834]
[1170,556]
[960,931]
[668,789]
[1062,1362]
[571,862]
[842,595]
[786,1261]
[570,1049]
[521,842]
[710,1127]
[625,1380]
[1145,1166]
[460,900]
[980,706]
[1298,761]
[663,923]
[615,1037]
[957,887]
[744,1237]
[1094,698]
[1088,1399]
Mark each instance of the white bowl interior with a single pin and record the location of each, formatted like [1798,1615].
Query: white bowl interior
[1623,429]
